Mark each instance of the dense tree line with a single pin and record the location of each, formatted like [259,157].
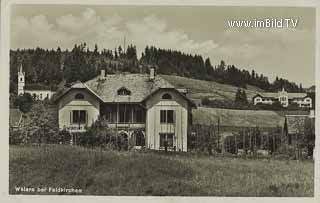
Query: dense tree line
[54,67]
[194,66]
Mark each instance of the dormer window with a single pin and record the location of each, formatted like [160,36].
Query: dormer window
[79,96]
[167,96]
[123,91]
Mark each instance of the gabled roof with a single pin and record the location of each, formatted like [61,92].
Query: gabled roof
[139,85]
[15,117]
[78,85]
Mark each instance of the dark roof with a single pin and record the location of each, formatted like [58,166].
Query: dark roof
[15,117]
[36,87]
[236,118]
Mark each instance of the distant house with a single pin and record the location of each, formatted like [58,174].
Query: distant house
[285,98]
[143,107]
[39,92]
[15,119]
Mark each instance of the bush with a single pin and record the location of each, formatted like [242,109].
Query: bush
[15,136]
[24,102]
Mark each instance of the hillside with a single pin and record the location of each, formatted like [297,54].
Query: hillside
[201,88]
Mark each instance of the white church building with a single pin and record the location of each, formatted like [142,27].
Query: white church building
[38,92]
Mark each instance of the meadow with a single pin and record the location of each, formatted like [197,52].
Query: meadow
[106,172]
[201,88]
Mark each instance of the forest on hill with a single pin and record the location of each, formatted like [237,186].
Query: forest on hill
[57,67]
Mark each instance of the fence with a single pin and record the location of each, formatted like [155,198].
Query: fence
[243,140]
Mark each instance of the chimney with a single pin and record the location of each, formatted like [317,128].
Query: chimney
[151,74]
[102,74]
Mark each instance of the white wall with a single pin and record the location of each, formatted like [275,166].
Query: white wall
[38,93]
[154,127]
[67,104]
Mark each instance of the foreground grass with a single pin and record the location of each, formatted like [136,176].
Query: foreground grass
[99,172]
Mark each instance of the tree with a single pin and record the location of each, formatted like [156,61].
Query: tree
[208,67]
[238,97]
[40,125]
[244,99]
[24,102]
[241,97]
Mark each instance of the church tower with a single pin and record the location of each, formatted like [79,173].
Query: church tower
[21,81]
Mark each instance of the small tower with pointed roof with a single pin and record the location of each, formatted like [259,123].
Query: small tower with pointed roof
[21,81]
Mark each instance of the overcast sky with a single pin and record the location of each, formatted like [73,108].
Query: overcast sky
[286,52]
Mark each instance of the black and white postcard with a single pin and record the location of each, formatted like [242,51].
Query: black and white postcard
[162,101]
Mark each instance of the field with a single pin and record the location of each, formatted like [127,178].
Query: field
[232,117]
[99,172]
[202,88]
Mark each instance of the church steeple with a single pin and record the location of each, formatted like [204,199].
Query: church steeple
[21,81]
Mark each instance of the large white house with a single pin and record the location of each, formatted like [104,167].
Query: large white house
[140,107]
[39,92]
[285,98]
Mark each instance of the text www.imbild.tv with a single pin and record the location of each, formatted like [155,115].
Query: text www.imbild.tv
[264,23]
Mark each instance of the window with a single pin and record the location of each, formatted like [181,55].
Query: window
[21,79]
[283,99]
[139,116]
[79,116]
[125,114]
[40,96]
[47,95]
[166,139]
[166,96]
[140,140]
[123,91]
[166,116]
[79,96]
[111,115]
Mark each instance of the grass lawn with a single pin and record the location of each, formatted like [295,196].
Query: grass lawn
[99,172]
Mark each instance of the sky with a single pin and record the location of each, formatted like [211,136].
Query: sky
[283,52]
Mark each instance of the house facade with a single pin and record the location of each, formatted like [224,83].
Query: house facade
[285,98]
[38,92]
[140,107]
